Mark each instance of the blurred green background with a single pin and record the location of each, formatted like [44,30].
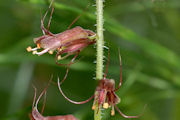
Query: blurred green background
[146,31]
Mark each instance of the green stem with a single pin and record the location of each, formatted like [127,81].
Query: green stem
[100,44]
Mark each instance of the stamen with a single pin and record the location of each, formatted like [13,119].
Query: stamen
[42,52]
[105,105]
[38,46]
[50,52]
[29,49]
[112,111]
[93,107]
[59,57]
[60,49]
[34,52]
[34,49]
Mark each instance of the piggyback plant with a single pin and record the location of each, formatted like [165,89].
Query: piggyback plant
[71,42]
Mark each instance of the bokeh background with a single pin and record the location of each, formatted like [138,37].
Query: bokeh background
[146,31]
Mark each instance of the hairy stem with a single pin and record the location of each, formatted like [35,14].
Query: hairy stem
[100,39]
[100,44]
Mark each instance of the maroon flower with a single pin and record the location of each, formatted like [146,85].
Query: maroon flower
[104,94]
[69,42]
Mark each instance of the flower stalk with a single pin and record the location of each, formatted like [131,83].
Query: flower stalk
[100,44]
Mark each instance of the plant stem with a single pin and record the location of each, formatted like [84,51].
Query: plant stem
[100,39]
[100,44]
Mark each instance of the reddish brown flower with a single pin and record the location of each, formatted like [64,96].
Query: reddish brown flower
[62,41]
[69,42]
[104,95]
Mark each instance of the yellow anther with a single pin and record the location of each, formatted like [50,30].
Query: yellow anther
[60,49]
[93,107]
[34,52]
[50,52]
[105,105]
[59,57]
[38,46]
[29,49]
[112,112]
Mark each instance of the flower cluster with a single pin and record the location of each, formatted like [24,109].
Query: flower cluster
[71,42]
